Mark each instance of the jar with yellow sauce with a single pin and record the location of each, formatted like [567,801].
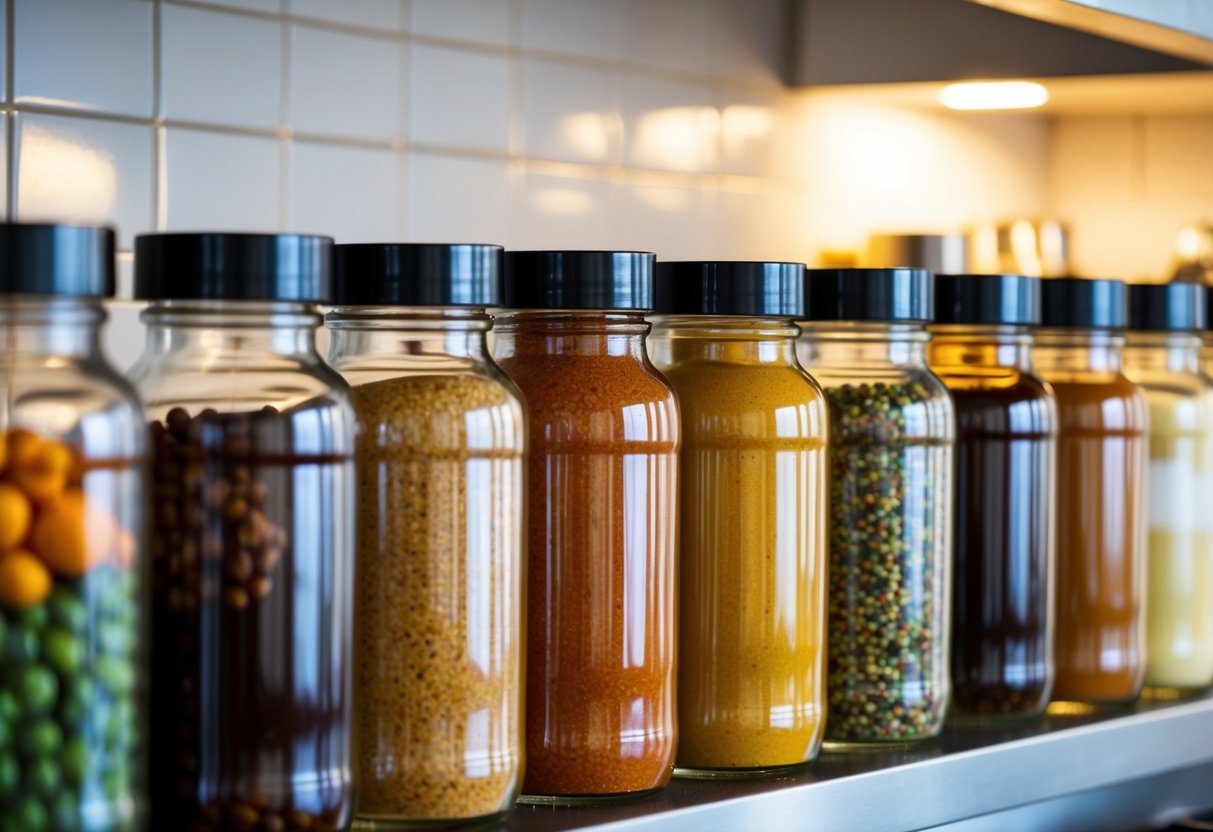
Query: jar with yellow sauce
[1163,356]
[753,516]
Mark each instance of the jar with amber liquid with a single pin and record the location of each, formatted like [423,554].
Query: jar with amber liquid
[1099,646]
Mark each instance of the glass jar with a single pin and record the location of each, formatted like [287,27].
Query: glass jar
[752,546]
[603,472]
[438,635]
[72,489]
[1004,528]
[892,434]
[1163,357]
[1101,479]
[252,535]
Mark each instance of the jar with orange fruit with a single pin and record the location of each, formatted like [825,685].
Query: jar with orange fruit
[72,448]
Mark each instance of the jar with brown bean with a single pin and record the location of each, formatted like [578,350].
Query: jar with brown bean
[252,537]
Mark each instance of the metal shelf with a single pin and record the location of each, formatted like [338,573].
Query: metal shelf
[1116,771]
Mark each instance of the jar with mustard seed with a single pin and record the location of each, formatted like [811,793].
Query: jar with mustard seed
[602,518]
[752,549]
[1006,478]
[892,437]
[438,642]
[252,539]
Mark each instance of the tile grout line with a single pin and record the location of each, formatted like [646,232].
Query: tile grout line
[10,128]
[159,168]
[284,121]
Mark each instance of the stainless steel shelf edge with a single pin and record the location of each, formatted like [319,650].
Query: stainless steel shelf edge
[970,772]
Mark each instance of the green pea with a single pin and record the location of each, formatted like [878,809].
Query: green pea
[37,688]
[117,675]
[62,650]
[20,647]
[75,760]
[10,776]
[116,782]
[118,726]
[68,610]
[65,812]
[42,737]
[30,816]
[9,709]
[34,618]
[115,639]
[77,700]
[42,776]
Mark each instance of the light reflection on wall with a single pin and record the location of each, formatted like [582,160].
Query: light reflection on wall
[743,125]
[64,178]
[679,138]
[562,202]
[589,134]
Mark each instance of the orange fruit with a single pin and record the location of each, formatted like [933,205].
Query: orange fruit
[24,581]
[72,535]
[21,445]
[15,516]
[41,472]
[3,453]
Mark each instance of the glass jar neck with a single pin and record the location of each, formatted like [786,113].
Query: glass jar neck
[376,332]
[581,332]
[981,346]
[287,329]
[855,344]
[1063,350]
[37,327]
[724,339]
[1177,352]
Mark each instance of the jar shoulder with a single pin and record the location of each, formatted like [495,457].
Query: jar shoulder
[85,402]
[1012,403]
[775,401]
[595,399]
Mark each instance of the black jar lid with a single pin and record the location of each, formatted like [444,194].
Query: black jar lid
[729,287]
[1167,307]
[987,299]
[1082,303]
[899,295]
[62,260]
[416,274]
[233,266]
[578,280]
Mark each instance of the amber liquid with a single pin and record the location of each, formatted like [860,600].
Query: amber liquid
[1101,544]
[1001,635]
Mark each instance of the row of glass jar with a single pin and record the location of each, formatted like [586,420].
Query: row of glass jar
[255,499]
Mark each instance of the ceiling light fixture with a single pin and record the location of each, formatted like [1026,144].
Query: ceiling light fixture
[993,95]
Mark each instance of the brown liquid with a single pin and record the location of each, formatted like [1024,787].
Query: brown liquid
[1101,546]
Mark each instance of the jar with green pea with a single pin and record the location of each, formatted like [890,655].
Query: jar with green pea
[892,436]
[72,485]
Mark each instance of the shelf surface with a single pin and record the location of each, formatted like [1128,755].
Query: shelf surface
[969,772]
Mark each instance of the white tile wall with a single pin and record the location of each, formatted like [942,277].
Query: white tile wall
[571,113]
[1127,185]
[220,68]
[347,85]
[355,194]
[221,180]
[379,14]
[460,98]
[113,39]
[579,123]
[85,171]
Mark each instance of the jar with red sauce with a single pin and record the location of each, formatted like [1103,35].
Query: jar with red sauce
[603,467]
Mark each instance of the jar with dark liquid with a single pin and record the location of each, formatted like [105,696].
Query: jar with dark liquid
[252,535]
[1099,645]
[1006,447]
